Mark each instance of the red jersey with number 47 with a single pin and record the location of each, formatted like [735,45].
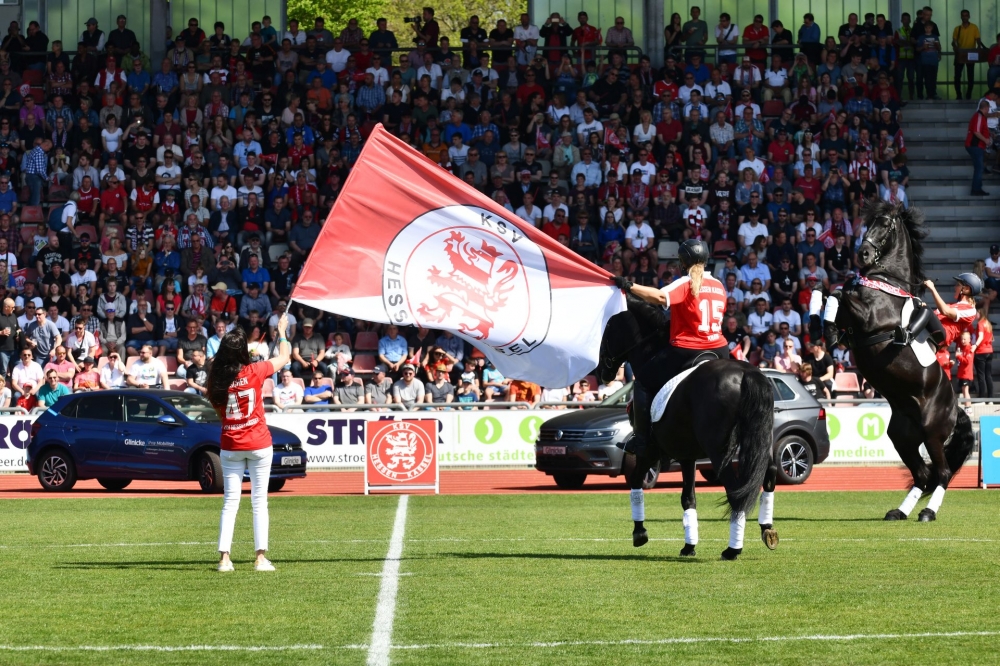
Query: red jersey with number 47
[243,425]
[696,323]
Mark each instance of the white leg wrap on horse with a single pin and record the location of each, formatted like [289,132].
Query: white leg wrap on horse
[911,500]
[691,526]
[815,302]
[638,504]
[830,313]
[737,525]
[936,498]
[766,515]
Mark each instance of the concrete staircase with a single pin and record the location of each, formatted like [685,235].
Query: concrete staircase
[962,227]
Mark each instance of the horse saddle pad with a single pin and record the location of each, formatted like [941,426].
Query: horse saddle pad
[663,395]
[922,348]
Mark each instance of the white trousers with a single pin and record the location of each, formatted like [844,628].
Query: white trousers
[234,463]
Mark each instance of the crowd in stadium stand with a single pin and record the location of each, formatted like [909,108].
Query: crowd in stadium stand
[146,208]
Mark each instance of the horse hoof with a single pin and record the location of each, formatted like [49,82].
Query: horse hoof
[770,537]
[895,514]
[687,550]
[730,554]
[926,516]
[640,538]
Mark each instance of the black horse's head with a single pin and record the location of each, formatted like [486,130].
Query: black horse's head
[626,332]
[892,244]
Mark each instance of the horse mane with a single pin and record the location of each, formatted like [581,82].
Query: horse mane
[649,316]
[913,222]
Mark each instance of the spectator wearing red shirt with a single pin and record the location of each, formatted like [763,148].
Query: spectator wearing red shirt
[965,360]
[586,35]
[755,39]
[781,152]
[89,202]
[114,201]
[976,140]
[557,226]
[983,348]
[146,198]
[529,88]
[994,62]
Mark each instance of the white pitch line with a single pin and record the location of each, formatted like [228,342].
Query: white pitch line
[158,648]
[385,610]
[831,638]
[681,640]
[873,539]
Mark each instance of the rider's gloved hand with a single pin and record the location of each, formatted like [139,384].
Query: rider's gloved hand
[623,283]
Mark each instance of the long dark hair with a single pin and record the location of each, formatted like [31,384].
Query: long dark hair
[231,358]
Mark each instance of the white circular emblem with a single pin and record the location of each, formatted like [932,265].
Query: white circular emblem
[402,452]
[462,268]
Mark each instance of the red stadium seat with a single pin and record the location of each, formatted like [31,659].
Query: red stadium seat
[300,382]
[177,384]
[364,363]
[346,336]
[592,380]
[130,362]
[268,388]
[754,358]
[88,229]
[846,382]
[171,363]
[32,215]
[326,381]
[28,235]
[58,193]
[367,341]
[773,108]
[33,77]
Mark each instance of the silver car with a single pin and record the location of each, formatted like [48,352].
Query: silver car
[582,442]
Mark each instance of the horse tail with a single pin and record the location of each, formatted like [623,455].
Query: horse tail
[961,444]
[753,438]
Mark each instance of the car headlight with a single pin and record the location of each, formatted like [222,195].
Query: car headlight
[601,434]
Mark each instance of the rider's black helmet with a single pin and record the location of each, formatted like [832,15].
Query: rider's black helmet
[693,252]
[972,281]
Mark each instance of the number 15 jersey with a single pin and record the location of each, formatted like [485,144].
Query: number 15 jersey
[243,424]
[696,322]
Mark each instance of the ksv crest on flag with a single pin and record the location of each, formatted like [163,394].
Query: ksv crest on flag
[409,244]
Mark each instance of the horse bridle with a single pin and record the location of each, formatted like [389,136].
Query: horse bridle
[880,246]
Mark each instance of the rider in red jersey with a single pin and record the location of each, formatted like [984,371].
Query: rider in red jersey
[960,315]
[696,303]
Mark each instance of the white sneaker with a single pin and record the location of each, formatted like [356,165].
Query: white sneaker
[264,565]
[226,566]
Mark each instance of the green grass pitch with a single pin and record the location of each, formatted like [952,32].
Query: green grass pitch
[498,580]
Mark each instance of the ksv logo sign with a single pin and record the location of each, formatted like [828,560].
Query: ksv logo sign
[464,269]
[401,452]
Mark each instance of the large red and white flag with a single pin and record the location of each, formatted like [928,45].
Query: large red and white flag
[408,243]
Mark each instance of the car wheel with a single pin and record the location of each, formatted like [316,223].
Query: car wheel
[57,471]
[210,472]
[274,485]
[709,475]
[795,460]
[652,474]
[570,481]
[115,484]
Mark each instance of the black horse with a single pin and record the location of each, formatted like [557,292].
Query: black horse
[724,408]
[870,311]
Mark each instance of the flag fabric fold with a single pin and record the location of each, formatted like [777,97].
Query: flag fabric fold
[408,243]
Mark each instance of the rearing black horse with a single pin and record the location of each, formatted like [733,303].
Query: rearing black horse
[870,311]
[721,410]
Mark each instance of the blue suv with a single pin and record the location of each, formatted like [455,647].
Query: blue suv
[120,435]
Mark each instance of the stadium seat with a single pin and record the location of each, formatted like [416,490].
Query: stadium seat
[364,364]
[754,358]
[302,384]
[101,362]
[33,77]
[171,363]
[268,388]
[367,341]
[130,362]
[31,275]
[58,193]
[773,108]
[275,251]
[32,215]
[177,384]
[666,249]
[27,235]
[846,382]
[723,249]
[39,95]
[546,167]
[326,381]
[592,380]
